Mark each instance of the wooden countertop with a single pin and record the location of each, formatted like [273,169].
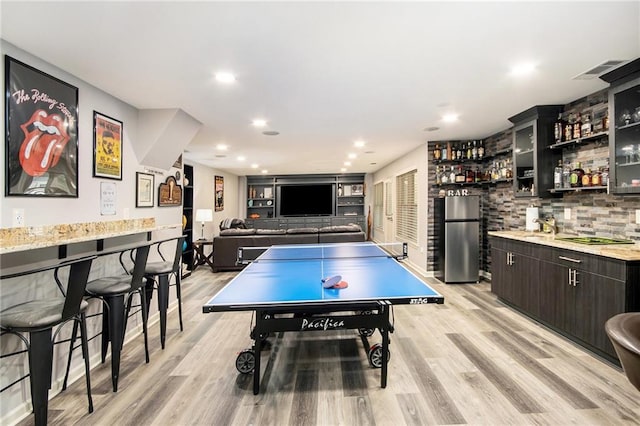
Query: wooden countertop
[626,252]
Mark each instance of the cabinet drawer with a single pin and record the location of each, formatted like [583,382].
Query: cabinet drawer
[605,266]
[514,246]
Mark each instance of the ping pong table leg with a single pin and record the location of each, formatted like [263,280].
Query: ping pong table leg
[385,345]
[257,343]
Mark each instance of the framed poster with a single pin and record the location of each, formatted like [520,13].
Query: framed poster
[107,147]
[219,187]
[41,147]
[169,193]
[145,183]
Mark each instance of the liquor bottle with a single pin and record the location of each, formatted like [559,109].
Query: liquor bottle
[586,178]
[479,175]
[474,150]
[438,175]
[568,129]
[586,128]
[557,175]
[604,178]
[596,177]
[445,154]
[449,151]
[558,129]
[444,176]
[509,170]
[459,177]
[458,151]
[437,152]
[469,155]
[481,150]
[469,176]
[577,125]
[576,176]
[452,175]
[566,175]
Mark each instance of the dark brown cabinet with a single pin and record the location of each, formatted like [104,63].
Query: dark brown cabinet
[573,292]
[514,274]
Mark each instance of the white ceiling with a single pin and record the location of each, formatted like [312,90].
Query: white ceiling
[327,74]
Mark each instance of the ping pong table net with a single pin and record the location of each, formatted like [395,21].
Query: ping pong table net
[286,253]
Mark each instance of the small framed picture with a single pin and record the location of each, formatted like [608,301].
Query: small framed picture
[145,184]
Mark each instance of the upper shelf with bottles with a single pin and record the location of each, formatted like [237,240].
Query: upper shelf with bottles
[576,129]
[458,152]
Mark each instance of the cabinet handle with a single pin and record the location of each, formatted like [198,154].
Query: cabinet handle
[570,280]
[570,259]
[575,277]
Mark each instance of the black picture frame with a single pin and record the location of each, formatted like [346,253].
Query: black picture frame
[145,188]
[107,146]
[41,142]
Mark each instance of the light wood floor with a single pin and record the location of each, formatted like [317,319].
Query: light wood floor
[469,361]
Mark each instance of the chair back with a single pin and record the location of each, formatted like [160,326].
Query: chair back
[139,265]
[76,285]
[624,332]
[178,255]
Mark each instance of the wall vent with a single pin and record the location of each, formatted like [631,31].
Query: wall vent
[598,70]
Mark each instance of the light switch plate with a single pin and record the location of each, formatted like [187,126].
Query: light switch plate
[567,213]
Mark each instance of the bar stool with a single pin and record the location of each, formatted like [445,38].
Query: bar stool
[113,291]
[38,318]
[158,275]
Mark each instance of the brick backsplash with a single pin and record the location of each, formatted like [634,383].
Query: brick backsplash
[592,213]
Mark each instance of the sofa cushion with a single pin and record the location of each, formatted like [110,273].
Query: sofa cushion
[271,231]
[237,231]
[352,227]
[302,231]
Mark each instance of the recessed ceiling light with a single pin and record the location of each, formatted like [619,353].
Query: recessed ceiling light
[254,166]
[347,163]
[450,118]
[241,158]
[259,122]
[221,147]
[225,77]
[265,171]
[359,144]
[523,69]
[351,155]
[344,169]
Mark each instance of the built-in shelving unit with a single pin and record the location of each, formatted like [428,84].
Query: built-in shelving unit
[187,212]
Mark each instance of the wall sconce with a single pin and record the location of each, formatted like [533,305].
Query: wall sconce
[204,215]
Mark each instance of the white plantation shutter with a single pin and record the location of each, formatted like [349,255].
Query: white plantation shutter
[407,207]
[378,204]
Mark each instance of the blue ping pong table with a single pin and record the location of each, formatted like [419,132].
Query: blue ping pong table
[283,286]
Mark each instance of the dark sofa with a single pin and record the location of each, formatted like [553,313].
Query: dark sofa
[225,246]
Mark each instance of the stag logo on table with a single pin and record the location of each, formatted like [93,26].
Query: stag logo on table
[324,323]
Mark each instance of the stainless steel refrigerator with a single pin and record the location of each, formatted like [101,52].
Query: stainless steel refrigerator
[457,229]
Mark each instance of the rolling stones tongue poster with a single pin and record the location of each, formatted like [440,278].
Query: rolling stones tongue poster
[42,133]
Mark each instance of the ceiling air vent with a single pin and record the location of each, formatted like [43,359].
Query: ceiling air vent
[598,69]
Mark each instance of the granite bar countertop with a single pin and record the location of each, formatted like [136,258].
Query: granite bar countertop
[626,252]
[29,238]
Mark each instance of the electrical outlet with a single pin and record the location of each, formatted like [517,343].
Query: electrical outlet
[567,213]
[638,217]
[18,217]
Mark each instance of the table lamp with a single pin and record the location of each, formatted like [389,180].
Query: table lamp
[204,215]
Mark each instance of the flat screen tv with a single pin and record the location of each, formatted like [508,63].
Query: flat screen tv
[306,200]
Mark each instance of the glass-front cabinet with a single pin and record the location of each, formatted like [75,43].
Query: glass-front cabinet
[625,143]
[533,162]
[624,128]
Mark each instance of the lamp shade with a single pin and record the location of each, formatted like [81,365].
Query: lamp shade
[204,215]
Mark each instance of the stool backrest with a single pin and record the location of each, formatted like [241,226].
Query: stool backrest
[178,256]
[139,265]
[76,284]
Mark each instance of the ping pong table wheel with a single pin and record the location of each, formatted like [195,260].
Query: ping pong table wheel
[375,355]
[366,332]
[246,361]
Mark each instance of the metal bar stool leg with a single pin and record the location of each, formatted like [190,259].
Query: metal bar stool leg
[163,305]
[179,297]
[85,355]
[74,334]
[115,335]
[40,365]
